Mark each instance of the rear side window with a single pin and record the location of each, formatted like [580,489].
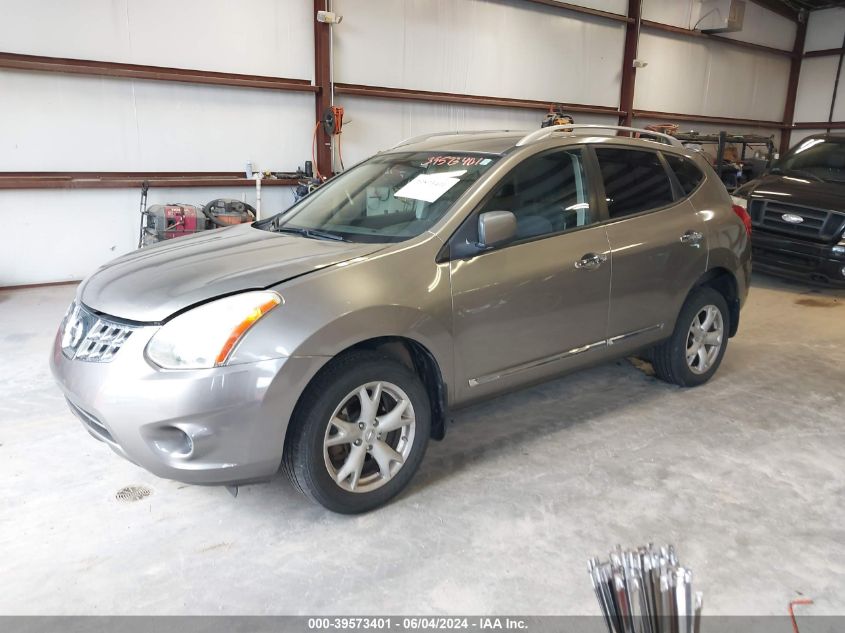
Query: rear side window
[687,173]
[634,181]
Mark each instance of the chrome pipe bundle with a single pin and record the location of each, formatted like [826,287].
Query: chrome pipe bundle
[646,591]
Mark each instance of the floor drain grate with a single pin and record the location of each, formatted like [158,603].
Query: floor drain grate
[133,493]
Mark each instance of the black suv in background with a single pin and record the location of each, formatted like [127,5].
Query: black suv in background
[798,212]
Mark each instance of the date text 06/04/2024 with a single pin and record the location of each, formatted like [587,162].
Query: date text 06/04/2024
[417,623]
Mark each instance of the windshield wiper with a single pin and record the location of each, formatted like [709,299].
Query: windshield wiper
[801,172]
[312,233]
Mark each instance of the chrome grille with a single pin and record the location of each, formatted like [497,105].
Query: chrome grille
[90,337]
[815,224]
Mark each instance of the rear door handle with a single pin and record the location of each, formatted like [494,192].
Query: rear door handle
[591,261]
[692,237]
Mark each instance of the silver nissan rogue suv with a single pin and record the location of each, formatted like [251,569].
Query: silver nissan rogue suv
[334,338]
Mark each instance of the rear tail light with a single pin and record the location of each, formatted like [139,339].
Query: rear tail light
[743,215]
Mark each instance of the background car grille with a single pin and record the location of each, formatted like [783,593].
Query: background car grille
[90,337]
[819,225]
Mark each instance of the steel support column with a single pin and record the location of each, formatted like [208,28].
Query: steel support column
[629,73]
[323,81]
[792,87]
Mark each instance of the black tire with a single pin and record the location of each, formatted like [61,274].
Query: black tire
[669,358]
[303,458]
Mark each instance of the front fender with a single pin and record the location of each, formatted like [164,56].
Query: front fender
[400,292]
[379,321]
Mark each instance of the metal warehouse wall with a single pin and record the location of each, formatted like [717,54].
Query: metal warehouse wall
[478,47]
[496,48]
[506,49]
[63,122]
[761,26]
[825,32]
[707,77]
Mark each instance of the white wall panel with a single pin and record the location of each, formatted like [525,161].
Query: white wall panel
[701,77]
[503,48]
[55,122]
[62,234]
[815,88]
[611,6]
[378,124]
[674,12]
[760,26]
[825,29]
[839,105]
[183,124]
[261,37]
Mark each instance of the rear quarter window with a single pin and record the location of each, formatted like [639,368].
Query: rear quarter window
[634,181]
[687,172]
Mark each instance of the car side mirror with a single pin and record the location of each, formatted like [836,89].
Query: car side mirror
[495,227]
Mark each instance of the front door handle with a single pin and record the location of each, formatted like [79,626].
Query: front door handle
[591,261]
[692,237]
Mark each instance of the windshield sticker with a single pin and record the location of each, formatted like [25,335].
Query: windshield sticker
[452,161]
[449,174]
[427,187]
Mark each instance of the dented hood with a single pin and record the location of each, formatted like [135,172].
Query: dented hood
[150,285]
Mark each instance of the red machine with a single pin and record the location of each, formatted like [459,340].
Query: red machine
[179,219]
[167,221]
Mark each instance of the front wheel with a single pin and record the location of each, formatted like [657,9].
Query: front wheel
[359,433]
[694,352]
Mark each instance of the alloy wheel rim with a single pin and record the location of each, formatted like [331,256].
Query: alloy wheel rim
[369,437]
[704,339]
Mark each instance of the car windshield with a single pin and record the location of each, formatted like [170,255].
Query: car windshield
[816,158]
[388,198]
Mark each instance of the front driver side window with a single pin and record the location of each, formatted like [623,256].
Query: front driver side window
[547,193]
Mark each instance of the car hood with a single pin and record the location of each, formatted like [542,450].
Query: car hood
[796,190]
[150,285]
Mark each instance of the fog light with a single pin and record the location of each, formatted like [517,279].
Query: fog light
[843,271]
[173,442]
[838,250]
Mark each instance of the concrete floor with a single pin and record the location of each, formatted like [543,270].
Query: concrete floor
[746,476]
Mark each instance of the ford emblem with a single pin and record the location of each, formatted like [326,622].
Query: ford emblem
[792,218]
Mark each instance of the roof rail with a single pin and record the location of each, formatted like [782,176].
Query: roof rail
[423,137]
[545,132]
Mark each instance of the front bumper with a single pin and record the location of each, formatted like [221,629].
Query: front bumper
[798,259]
[213,426]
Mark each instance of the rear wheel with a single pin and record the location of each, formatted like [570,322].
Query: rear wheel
[694,352]
[359,433]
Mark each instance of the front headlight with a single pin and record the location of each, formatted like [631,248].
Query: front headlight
[839,249]
[205,336]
